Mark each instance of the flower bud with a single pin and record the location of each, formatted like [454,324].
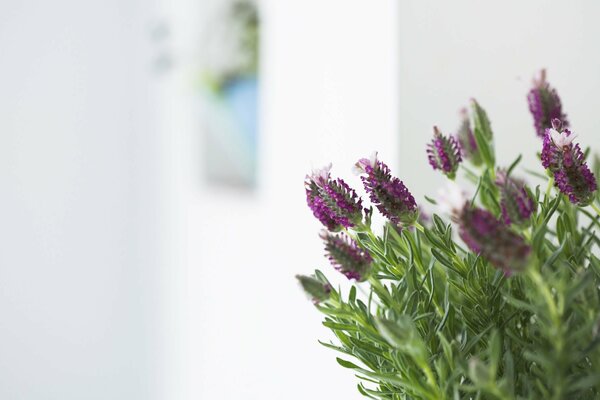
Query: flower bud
[484,234]
[346,256]
[516,201]
[444,153]
[466,140]
[566,162]
[332,202]
[316,290]
[390,196]
[544,105]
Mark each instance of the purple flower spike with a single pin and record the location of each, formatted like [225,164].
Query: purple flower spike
[515,200]
[392,198]
[566,162]
[332,202]
[444,153]
[346,256]
[485,235]
[466,139]
[544,105]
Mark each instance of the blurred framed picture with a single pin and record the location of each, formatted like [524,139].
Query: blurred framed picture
[231,92]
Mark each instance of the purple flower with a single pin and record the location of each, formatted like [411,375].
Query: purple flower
[444,153]
[516,201]
[544,105]
[484,234]
[316,290]
[466,139]
[566,162]
[346,256]
[390,196]
[332,202]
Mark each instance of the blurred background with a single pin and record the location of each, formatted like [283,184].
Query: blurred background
[152,157]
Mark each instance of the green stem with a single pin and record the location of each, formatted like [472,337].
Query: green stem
[556,334]
[546,294]
[549,187]
[492,171]
[595,208]
[471,174]
[431,378]
[419,226]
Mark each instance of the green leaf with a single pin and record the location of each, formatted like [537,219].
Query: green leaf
[352,295]
[346,364]
[578,286]
[445,261]
[440,225]
[509,369]
[483,135]
[585,383]
[495,351]
[402,334]
[540,230]
[446,309]
[387,378]
[362,390]
[479,372]
[513,165]
[554,256]
[430,200]
[339,326]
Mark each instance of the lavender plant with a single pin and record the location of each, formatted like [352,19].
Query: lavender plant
[508,308]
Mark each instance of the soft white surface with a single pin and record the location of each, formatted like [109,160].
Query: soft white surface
[79,297]
[329,85]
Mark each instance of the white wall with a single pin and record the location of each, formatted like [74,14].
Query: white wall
[329,94]
[452,51]
[79,300]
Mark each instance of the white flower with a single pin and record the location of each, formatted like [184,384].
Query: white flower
[321,174]
[561,139]
[361,164]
